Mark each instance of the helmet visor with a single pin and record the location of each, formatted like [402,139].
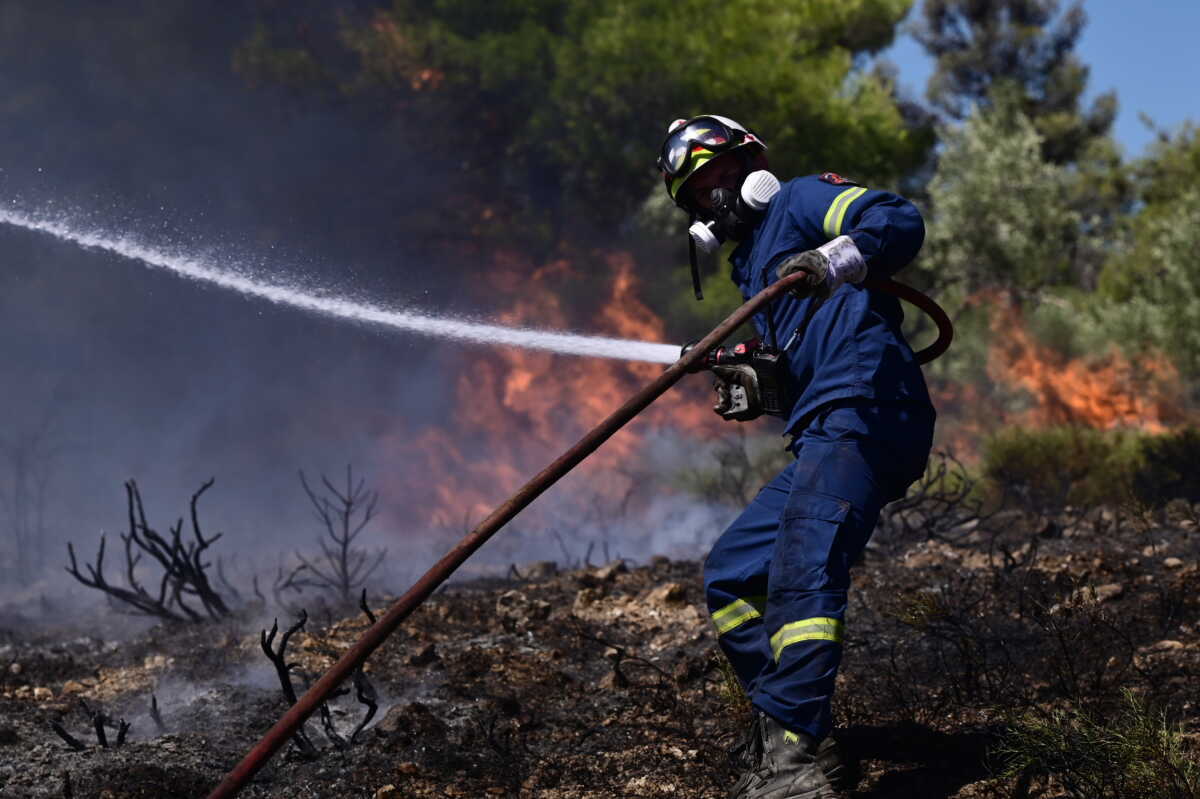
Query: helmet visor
[701,133]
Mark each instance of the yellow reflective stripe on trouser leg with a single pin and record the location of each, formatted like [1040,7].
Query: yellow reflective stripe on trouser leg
[837,210]
[737,613]
[818,629]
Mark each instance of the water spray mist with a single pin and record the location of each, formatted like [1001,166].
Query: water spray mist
[296,296]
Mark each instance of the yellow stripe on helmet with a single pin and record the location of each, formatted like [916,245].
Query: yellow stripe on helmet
[698,160]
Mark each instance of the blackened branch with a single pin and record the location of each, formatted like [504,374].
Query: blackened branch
[330,731]
[71,740]
[122,731]
[184,577]
[364,691]
[279,656]
[98,724]
[362,603]
[155,715]
[344,514]
[283,669]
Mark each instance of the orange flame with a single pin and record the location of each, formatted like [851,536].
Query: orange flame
[1106,392]
[515,410]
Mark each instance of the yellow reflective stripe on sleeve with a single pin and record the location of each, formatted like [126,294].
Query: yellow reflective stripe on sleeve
[737,613]
[837,210]
[818,629]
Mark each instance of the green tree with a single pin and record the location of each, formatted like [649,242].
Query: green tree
[1001,217]
[555,111]
[1019,54]
[1000,230]
[1152,283]
[1021,49]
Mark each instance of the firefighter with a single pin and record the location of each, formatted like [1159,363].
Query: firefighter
[857,413]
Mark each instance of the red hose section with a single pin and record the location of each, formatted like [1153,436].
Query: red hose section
[926,304]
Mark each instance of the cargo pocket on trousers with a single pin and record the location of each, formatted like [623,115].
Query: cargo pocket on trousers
[807,537]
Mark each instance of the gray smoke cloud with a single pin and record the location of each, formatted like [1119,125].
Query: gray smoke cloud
[129,115]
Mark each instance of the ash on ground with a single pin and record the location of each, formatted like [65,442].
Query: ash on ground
[606,681]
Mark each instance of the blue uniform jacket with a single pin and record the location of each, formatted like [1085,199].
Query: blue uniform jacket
[852,346]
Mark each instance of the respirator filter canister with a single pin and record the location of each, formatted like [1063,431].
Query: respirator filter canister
[758,189]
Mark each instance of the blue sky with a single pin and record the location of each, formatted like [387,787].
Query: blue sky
[1144,49]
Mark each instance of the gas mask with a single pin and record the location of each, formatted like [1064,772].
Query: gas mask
[731,216]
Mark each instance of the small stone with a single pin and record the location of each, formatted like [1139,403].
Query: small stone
[612,653]
[539,570]
[73,687]
[613,681]
[408,768]
[1172,563]
[520,609]
[1109,591]
[15,668]
[510,603]
[387,792]
[423,656]
[585,597]
[1166,646]
[668,594]
[42,693]
[609,571]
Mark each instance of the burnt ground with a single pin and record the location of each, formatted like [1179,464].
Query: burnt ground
[605,681]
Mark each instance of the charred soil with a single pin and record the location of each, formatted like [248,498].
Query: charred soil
[606,681]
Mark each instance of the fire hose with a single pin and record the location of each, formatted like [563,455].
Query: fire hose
[374,636]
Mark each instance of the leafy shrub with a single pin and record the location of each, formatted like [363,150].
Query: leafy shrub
[1167,468]
[1136,755]
[1054,467]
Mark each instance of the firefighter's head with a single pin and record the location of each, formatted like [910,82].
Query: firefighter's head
[715,169]
[706,153]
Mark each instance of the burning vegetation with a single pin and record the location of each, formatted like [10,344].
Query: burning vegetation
[532,405]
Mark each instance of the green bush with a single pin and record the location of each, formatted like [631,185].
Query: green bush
[1051,468]
[1058,466]
[1137,754]
[1168,468]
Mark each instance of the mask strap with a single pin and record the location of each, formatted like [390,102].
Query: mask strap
[695,265]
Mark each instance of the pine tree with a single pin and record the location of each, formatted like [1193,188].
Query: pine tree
[1023,50]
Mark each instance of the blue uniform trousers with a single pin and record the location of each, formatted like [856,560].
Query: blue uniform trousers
[776,581]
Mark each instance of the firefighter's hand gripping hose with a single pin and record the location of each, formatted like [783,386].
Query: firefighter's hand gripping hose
[691,360]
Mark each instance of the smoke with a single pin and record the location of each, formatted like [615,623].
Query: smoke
[127,116]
